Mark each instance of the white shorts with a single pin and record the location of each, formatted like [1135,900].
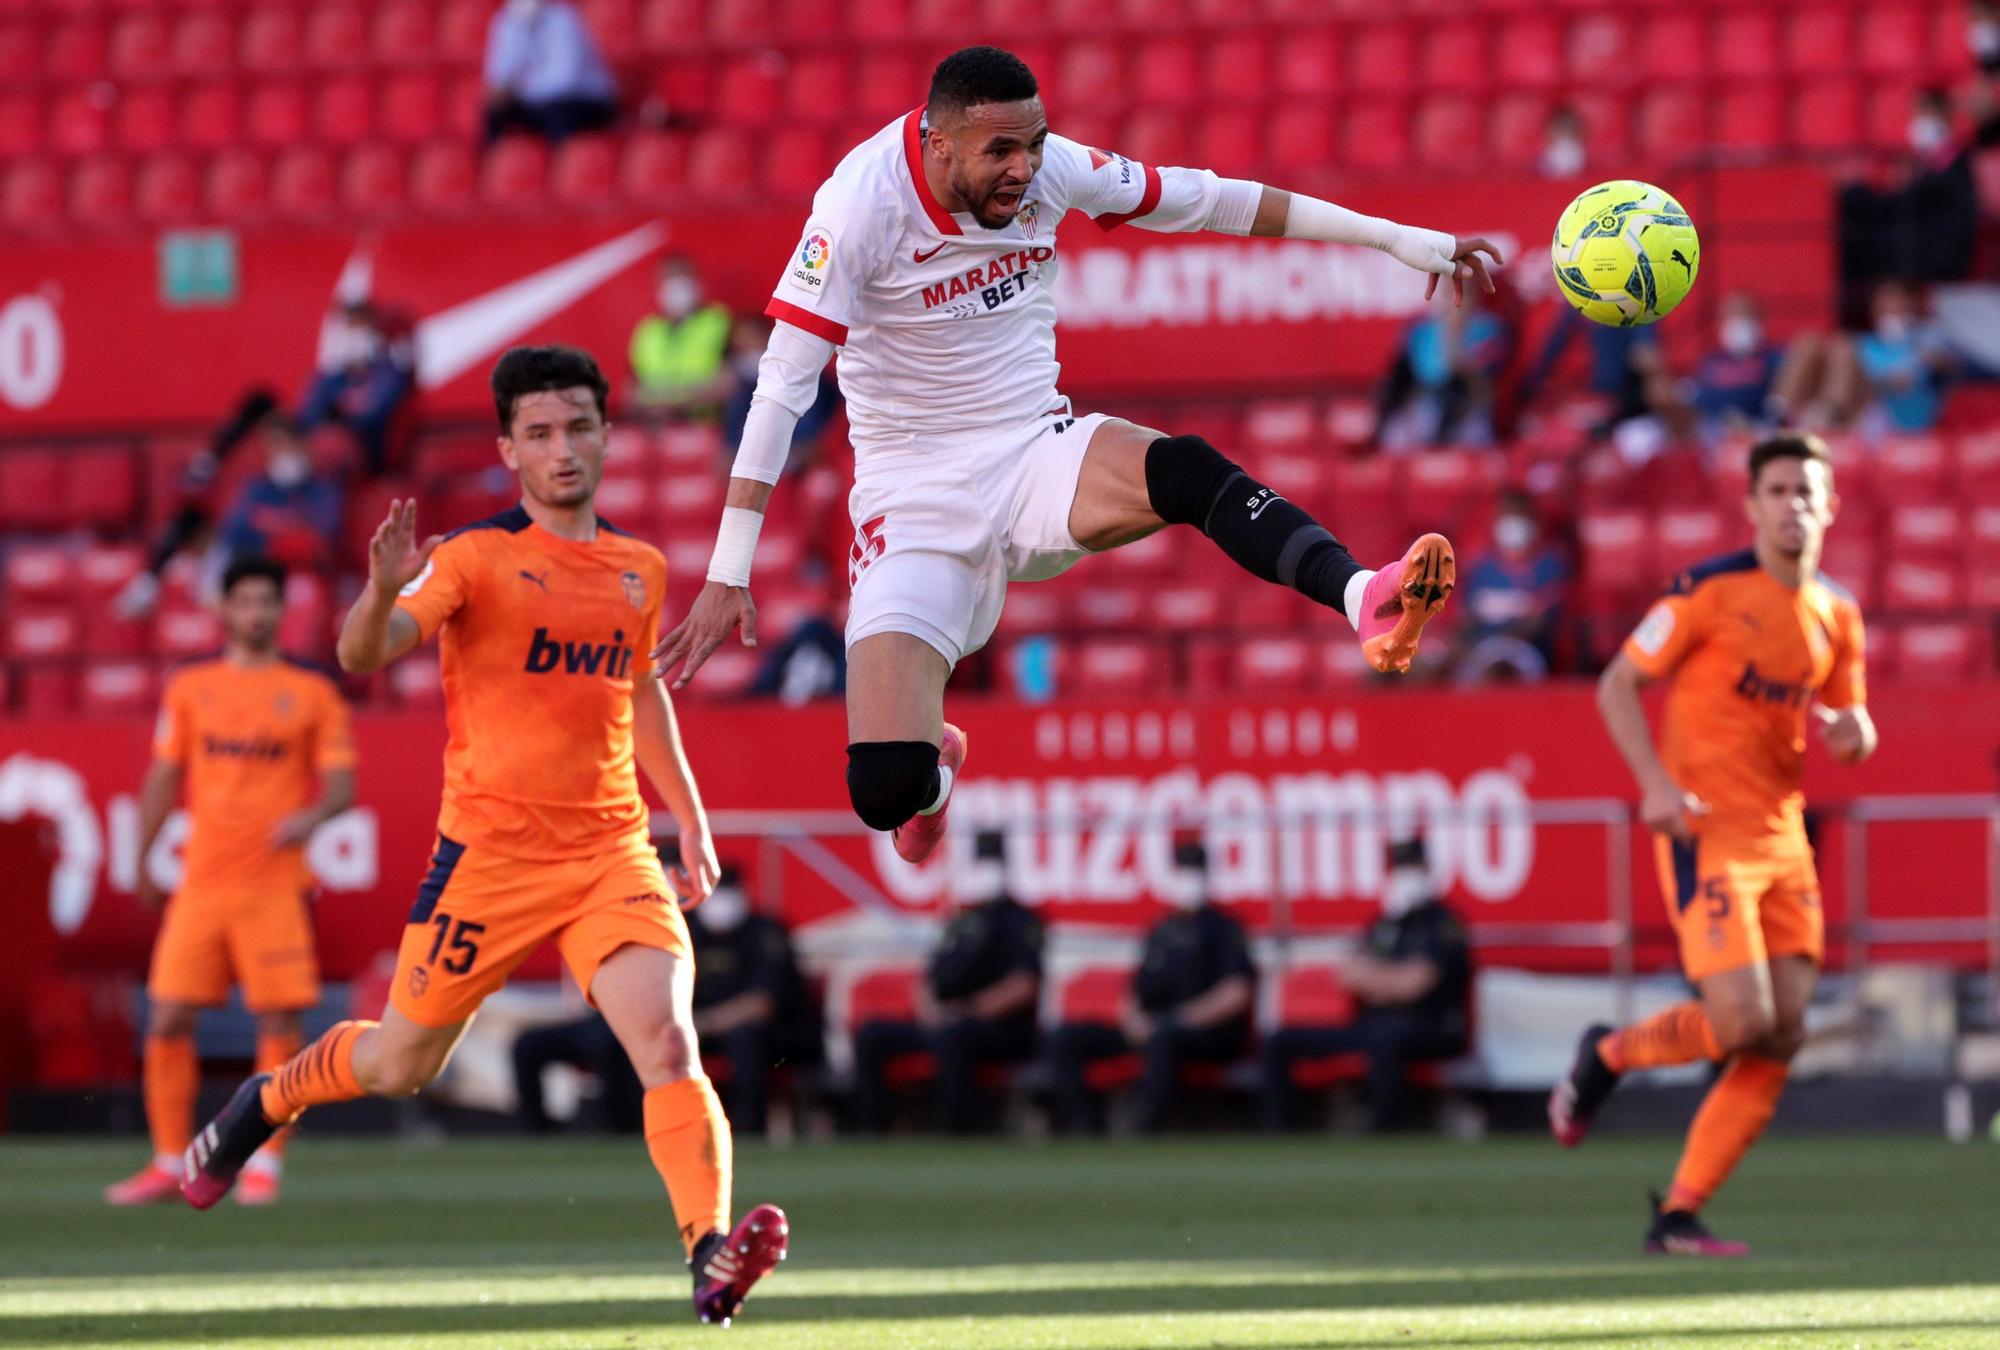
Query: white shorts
[938,533]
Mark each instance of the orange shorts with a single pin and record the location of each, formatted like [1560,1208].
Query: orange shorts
[261,941]
[479,914]
[1741,901]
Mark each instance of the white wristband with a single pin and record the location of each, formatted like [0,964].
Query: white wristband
[735,546]
[1425,250]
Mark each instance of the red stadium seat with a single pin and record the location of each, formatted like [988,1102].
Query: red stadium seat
[417,682]
[79,121]
[117,688]
[1094,994]
[878,19]
[145,118]
[204,44]
[886,995]
[1270,665]
[1891,41]
[1978,466]
[1382,59]
[402,33]
[76,51]
[272,40]
[1983,580]
[512,176]
[1301,136]
[1091,75]
[1309,65]
[751,91]
[336,37]
[1377,135]
[1033,609]
[238,186]
[1673,45]
[371,180]
[277,115]
[1120,668]
[138,48]
[1930,587]
[212,116]
[654,167]
[1745,43]
[42,634]
[100,193]
[1101,607]
[302,183]
[1167,69]
[344,111]
[1826,115]
[1450,133]
[465,106]
[1236,68]
[883,85]
[614,24]
[1517,121]
[1933,531]
[1187,609]
[168,191]
[38,574]
[1670,121]
[104,569]
[20,126]
[1941,652]
[1313,996]
[1531,52]
[412,108]
[1156,136]
[1912,469]
[1817,41]
[942,18]
[1455,55]
[20,53]
[460,37]
[585,172]
[1600,49]
[816,88]
[31,196]
[1617,561]
[719,164]
[1688,535]
[1750,118]
[796,163]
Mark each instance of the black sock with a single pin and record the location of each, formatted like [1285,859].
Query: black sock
[1190,482]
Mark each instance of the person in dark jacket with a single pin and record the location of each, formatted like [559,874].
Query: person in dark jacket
[976,1005]
[1191,1000]
[751,1005]
[1412,979]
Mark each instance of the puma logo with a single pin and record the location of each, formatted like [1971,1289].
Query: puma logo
[542,580]
[919,255]
[1681,258]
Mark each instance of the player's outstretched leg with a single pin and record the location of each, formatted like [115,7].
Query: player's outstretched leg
[222,1147]
[1574,1102]
[1681,1034]
[902,756]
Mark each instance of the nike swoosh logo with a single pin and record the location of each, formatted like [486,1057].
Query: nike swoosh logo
[454,340]
[920,256]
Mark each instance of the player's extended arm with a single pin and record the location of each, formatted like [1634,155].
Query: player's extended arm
[157,796]
[336,794]
[375,631]
[1848,733]
[787,385]
[1663,806]
[656,742]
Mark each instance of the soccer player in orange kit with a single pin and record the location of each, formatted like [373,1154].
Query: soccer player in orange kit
[544,615]
[264,749]
[1757,644]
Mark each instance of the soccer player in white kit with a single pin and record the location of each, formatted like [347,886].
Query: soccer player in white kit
[927,261]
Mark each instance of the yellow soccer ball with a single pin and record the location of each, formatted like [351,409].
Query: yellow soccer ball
[1625,253]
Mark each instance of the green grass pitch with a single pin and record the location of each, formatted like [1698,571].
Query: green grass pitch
[1193,1242]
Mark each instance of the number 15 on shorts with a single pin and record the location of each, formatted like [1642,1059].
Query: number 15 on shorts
[454,936]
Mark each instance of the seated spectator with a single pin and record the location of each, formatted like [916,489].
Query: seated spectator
[1513,594]
[751,1006]
[1887,379]
[810,662]
[1731,388]
[367,369]
[289,512]
[1440,391]
[1982,35]
[1412,978]
[679,352]
[544,73]
[746,352]
[586,1043]
[1564,152]
[976,1005]
[1191,1001]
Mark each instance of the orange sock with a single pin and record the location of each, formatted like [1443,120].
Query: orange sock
[688,1137]
[322,1072]
[273,1049]
[1677,1035]
[1731,1117]
[172,1075]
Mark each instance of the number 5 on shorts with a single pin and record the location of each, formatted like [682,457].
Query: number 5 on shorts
[460,934]
[1714,890]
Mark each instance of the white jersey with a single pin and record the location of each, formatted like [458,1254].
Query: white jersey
[947,328]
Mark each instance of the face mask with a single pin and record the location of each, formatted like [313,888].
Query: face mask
[679,296]
[1403,890]
[1741,334]
[1983,38]
[725,909]
[1893,327]
[1183,892]
[288,469]
[1927,132]
[1514,533]
[1563,157]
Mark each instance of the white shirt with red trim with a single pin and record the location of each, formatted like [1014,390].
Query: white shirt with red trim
[947,329]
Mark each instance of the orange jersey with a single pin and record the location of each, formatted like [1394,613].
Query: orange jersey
[1748,656]
[253,742]
[540,641]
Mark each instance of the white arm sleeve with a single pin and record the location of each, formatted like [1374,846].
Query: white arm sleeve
[787,384]
[1425,250]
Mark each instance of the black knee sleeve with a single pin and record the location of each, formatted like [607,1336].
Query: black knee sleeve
[890,781]
[1185,477]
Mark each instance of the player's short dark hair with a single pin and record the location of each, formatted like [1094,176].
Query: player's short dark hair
[1787,445]
[537,370]
[250,566]
[974,75]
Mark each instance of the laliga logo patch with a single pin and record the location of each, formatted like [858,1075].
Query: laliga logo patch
[1652,634]
[635,589]
[814,257]
[417,582]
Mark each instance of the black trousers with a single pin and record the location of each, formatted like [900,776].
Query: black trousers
[960,1046]
[553,121]
[1390,1037]
[587,1043]
[1074,1046]
[752,1050]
